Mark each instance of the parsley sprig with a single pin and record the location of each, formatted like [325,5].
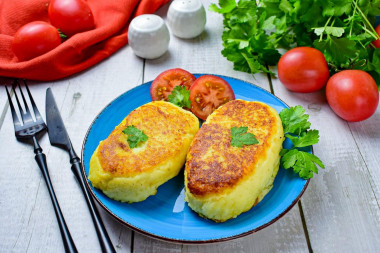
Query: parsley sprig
[180,96]
[240,137]
[341,29]
[135,136]
[297,129]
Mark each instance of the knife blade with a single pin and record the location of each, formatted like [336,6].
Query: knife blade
[57,132]
[58,136]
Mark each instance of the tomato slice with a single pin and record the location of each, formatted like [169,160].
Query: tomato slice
[165,82]
[207,93]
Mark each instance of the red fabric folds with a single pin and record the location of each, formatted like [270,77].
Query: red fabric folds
[77,53]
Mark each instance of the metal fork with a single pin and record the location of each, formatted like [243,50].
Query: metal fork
[28,128]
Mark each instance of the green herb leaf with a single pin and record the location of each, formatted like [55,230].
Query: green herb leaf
[337,50]
[296,127]
[240,137]
[269,23]
[335,31]
[135,136]
[305,139]
[302,162]
[180,96]
[294,120]
[336,7]
[225,6]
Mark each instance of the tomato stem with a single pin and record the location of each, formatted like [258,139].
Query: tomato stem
[61,34]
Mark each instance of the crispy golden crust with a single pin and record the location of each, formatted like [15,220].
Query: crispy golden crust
[213,165]
[163,123]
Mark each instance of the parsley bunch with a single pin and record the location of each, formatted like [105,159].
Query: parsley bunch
[297,129]
[341,29]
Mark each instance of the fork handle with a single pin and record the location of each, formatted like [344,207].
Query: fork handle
[41,161]
[104,239]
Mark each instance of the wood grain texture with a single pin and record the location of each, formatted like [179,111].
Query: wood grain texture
[84,97]
[26,214]
[24,200]
[3,98]
[3,105]
[367,139]
[341,203]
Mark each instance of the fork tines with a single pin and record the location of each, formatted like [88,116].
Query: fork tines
[27,126]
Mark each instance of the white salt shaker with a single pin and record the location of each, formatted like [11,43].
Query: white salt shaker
[148,36]
[186,18]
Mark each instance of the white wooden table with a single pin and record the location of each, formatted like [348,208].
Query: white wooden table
[339,212]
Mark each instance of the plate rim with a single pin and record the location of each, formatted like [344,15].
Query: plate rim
[164,238]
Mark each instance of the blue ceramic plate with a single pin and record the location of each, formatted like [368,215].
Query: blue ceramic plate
[166,216]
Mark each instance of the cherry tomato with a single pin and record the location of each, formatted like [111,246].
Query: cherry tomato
[165,82]
[207,93]
[303,69]
[352,94]
[376,43]
[71,16]
[34,39]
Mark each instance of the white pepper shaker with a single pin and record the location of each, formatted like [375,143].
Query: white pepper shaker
[148,36]
[186,18]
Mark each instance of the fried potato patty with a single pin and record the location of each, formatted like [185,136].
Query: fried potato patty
[223,181]
[133,174]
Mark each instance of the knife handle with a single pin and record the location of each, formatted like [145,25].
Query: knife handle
[41,161]
[104,239]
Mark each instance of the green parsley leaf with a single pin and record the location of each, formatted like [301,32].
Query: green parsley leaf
[294,120]
[296,127]
[240,137]
[337,51]
[305,139]
[268,23]
[135,136]
[180,96]
[225,6]
[336,7]
[335,31]
[285,6]
[373,67]
[302,162]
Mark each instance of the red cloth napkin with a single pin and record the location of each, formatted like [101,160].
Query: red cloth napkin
[79,52]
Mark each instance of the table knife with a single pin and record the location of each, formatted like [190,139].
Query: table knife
[58,137]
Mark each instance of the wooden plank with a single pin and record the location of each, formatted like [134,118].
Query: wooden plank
[367,138]
[202,55]
[286,235]
[341,204]
[26,214]
[84,98]
[3,98]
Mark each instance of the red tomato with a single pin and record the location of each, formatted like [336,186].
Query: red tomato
[303,69]
[165,82]
[34,39]
[71,16]
[352,95]
[208,93]
[376,43]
